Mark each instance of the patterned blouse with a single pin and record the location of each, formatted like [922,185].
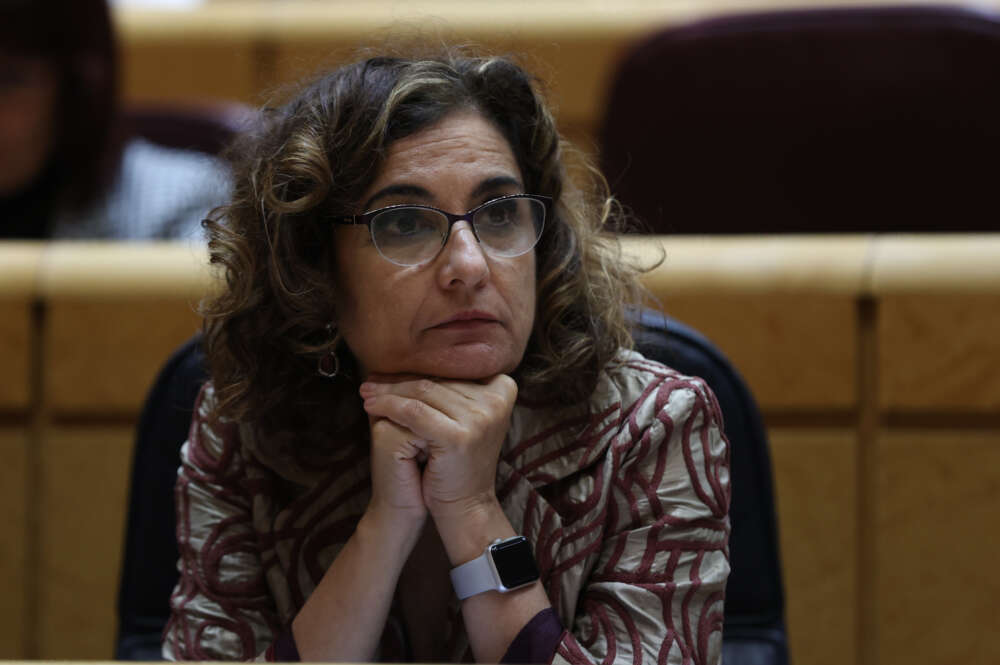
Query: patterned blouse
[624,498]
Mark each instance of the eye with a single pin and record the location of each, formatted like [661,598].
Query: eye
[406,225]
[500,214]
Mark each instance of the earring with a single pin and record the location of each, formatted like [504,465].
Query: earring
[329,364]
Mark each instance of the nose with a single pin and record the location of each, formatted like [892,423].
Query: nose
[463,260]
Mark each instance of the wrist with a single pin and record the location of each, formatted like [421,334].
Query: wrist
[392,530]
[467,531]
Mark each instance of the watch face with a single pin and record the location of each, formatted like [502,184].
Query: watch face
[514,562]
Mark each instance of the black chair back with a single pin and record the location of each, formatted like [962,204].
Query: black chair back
[754,614]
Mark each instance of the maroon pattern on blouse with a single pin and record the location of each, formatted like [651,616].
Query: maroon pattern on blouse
[625,500]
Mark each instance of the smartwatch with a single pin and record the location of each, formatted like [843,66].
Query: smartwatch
[507,564]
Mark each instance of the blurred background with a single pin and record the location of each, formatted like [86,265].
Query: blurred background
[823,179]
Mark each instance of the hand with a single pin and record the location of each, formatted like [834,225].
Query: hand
[397,495]
[460,425]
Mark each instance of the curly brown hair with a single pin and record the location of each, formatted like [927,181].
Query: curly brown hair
[314,157]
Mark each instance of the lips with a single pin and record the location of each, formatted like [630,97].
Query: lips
[467,319]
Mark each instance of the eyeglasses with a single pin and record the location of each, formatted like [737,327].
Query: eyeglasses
[409,235]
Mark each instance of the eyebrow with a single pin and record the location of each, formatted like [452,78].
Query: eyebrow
[405,189]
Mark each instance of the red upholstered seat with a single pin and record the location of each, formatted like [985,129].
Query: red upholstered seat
[829,120]
[205,127]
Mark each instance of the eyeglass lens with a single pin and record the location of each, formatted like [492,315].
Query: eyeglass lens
[411,235]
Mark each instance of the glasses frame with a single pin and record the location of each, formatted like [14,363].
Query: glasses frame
[367,217]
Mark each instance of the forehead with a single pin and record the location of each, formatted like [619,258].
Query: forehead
[461,145]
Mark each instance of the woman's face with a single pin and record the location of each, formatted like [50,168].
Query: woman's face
[27,119]
[463,315]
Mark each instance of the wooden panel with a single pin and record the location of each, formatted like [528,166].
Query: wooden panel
[15,354]
[938,582]
[762,265]
[102,357]
[817,495]
[108,271]
[19,267]
[83,504]
[172,54]
[19,264]
[939,263]
[939,352]
[184,69]
[115,313]
[13,541]
[574,67]
[795,351]
[782,307]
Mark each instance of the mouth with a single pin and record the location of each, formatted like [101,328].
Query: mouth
[467,320]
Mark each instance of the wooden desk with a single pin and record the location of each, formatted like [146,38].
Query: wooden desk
[875,360]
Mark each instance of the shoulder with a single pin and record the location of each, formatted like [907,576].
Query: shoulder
[214,445]
[645,391]
[671,436]
[636,408]
[175,167]
[236,452]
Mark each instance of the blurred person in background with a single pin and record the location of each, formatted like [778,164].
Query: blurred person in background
[67,167]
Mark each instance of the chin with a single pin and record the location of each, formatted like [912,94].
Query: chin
[470,364]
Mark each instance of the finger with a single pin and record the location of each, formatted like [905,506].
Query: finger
[398,442]
[378,377]
[499,384]
[451,398]
[495,396]
[423,420]
[411,448]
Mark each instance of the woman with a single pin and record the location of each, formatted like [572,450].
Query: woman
[424,438]
[67,169]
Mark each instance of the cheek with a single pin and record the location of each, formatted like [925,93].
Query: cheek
[374,313]
[352,279]
[26,137]
[524,298]
[362,328]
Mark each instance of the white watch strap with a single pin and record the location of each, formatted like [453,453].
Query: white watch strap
[475,576]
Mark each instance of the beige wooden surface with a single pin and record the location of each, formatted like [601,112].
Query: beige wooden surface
[917,264]
[938,322]
[816,487]
[18,273]
[83,498]
[14,473]
[102,357]
[782,308]
[19,268]
[940,352]
[790,264]
[190,70]
[937,507]
[113,317]
[15,352]
[122,273]
[805,361]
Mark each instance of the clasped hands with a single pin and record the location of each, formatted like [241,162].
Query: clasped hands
[435,444]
